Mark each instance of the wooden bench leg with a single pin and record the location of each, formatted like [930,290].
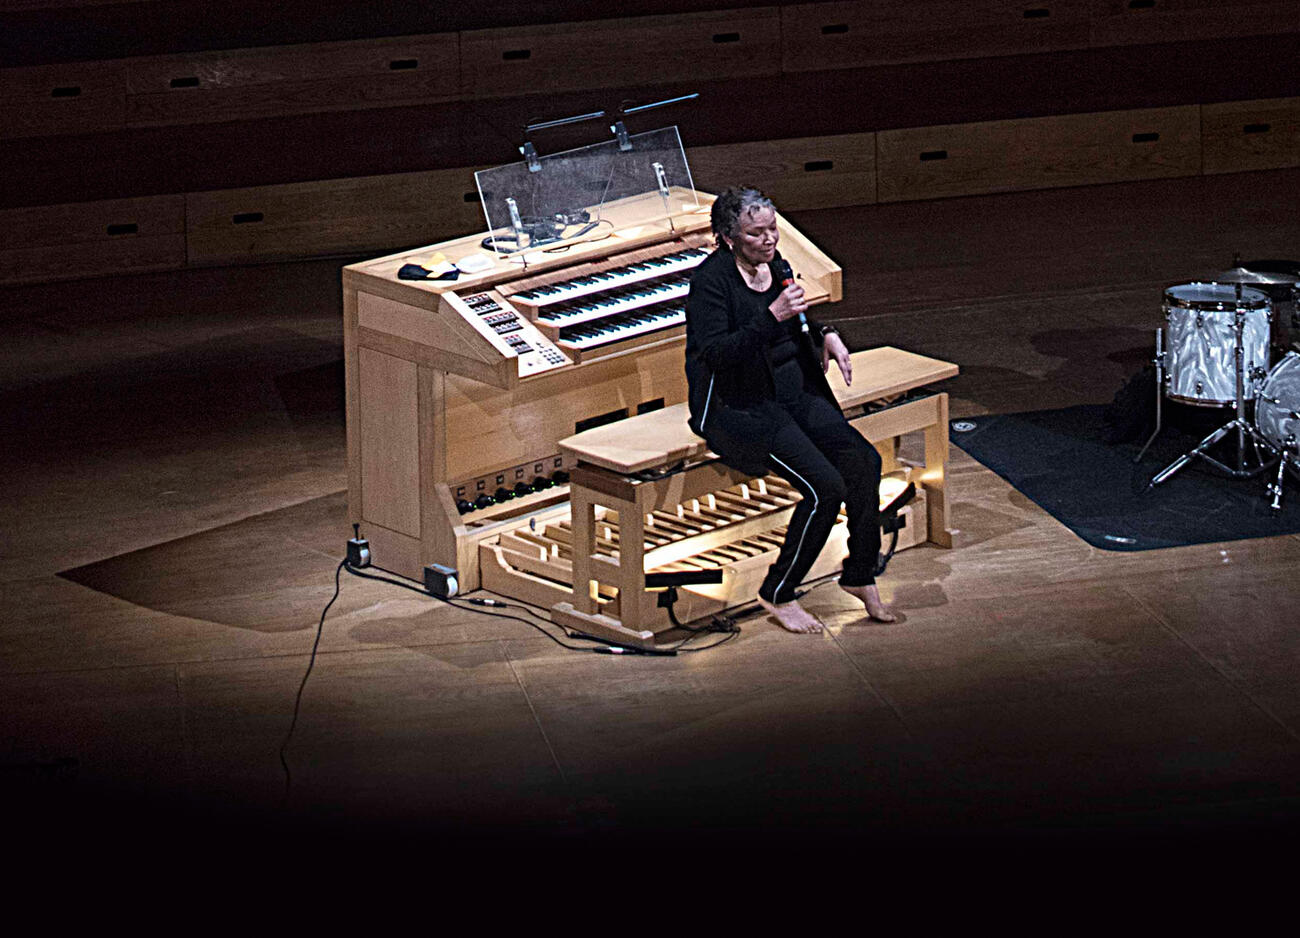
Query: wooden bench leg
[888,450]
[584,547]
[935,476]
[631,564]
[583,613]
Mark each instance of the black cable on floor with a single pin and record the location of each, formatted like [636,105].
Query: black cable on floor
[455,605]
[602,647]
[297,703]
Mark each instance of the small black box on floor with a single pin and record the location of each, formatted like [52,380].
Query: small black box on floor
[441,581]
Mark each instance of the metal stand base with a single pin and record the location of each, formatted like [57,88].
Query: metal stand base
[1201,451]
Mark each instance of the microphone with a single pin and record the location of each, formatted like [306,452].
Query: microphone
[787,278]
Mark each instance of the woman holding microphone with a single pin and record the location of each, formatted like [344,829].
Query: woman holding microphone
[755,367]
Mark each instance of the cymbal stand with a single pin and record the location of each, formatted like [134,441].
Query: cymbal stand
[1159,362]
[1240,424]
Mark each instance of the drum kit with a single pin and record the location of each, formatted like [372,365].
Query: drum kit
[1224,345]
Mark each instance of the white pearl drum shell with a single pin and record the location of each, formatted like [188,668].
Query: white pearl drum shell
[1200,351]
[1282,386]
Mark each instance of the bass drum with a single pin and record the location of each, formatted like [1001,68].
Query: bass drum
[1200,355]
[1278,403]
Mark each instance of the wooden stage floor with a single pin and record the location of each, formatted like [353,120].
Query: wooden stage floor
[174,513]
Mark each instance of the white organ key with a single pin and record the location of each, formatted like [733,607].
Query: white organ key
[611,279]
[618,328]
[588,312]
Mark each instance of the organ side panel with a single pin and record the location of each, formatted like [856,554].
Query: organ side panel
[390,442]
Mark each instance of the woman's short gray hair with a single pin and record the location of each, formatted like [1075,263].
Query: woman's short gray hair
[732,205]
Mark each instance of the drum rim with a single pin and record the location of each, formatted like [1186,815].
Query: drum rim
[1287,361]
[1260,300]
[1200,401]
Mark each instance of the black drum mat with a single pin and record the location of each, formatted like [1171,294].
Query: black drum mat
[1062,460]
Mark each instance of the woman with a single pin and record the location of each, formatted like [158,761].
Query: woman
[759,399]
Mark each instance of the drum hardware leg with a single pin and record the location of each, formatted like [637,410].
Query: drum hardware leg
[1260,458]
[1239,358]
[1275,489]
[1200,451]
[1288,461]
[1159,362]
[1187,457]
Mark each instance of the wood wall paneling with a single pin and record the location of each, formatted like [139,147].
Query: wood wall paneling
[621,52]
[1038,153]
[7,6]
[1247,135]
[817,36]
[252,83]
[1128,22]
[80,97]
[65,242]
[803,173]
[333,216]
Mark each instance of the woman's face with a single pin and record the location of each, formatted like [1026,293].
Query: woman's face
[756,237]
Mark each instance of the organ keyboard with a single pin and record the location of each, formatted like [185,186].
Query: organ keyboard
[623,275]
[647,319]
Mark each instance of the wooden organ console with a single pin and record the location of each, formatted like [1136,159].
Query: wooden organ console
[460,393]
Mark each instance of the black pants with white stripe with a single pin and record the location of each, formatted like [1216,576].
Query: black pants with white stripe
[829,463]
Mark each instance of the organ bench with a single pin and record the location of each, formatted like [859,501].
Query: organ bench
[651,471]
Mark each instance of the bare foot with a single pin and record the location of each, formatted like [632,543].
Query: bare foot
[870,597]
[792,616]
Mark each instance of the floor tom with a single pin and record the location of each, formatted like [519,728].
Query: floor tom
[1278,402]
[1200,356]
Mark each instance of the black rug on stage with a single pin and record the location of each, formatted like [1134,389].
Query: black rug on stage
[1061,460]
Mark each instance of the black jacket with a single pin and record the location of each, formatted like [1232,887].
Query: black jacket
[729,331]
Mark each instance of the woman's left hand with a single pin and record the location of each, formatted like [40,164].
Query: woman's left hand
[833,347]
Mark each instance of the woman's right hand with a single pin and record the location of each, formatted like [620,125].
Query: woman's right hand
[789,304]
